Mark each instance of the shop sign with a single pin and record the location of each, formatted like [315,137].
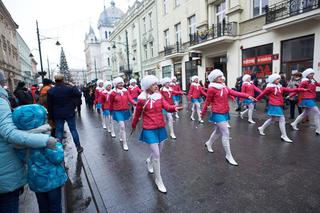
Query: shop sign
[264,59]
[249,61]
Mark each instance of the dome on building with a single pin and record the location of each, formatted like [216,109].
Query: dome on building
[110,16]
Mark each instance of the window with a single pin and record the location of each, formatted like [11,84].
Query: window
[221,16]
[192,24]
[145,51]
[259,7]
[150,20]
[133,31]
[178,32]
[109,33]
[165,7]
[144,25]
[151,49]
[166,71]
[4,43]
[176,3]
[108,61]
[166,37]
[106,34]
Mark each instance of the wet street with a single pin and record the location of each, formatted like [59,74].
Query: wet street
[272,176]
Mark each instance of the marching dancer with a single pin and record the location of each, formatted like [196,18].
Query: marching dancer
[119,108]
[97,95]
[167,93]
[176,98]
[275,91]
[217,97]
[249,88]
[150,105]
[134,89]
[194,96]
[308,100]
[107,119]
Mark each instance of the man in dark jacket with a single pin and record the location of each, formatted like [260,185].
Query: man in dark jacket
[61,108]
[22,94]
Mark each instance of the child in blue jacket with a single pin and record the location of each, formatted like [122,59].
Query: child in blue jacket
[46,174]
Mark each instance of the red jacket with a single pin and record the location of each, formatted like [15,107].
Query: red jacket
[134,91]
[311,86]
[120,101]
[275,94]
[105,99]
[167,94]
[33,93]
[218,99]
[249,88]
[97,95]
[151,110]
[195,91]
[176,87]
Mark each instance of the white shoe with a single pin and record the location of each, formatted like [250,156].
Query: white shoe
[230,160]
[158,178]
[241,115]
[149,166]
[125,146]
[201,121]
[104,126]
[209,147]
[113,135]
[173,136]
[294,126]
[177,116]
[109,130]
[251,121]
[192,118]
[286,139]
[318,131]
[261,131]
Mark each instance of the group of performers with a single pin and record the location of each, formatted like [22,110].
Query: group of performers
[152,105]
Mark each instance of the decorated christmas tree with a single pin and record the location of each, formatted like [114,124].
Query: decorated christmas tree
[64,69]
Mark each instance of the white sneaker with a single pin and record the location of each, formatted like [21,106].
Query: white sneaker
[149,166]
[231,161]
[192,118]
[286,139]
[294,126]
[209,147]
[251,121]
[261,131]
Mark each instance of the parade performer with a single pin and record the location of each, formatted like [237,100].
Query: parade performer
[150,105]
[176,98]
[167,93]
[97,95]
[194,96]
[217,97]
[308,100]
[119,108]
[107,119]
[134,89]
[249,88]
[275,92]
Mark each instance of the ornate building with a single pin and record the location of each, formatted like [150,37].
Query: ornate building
[98,49]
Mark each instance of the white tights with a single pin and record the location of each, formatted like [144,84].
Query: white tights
[122,131]
[282,124]
[156,149]
[314,112]
[249,109]
[196,107]
[170,122]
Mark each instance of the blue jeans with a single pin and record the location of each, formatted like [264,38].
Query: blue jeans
[71,121]
[50,202]
[9,202]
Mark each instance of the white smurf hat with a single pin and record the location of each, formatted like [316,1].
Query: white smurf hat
[133,81]
[99,81]
[174,78]
[148,81]
[246,77]
[273,77]
[193,78]
[214,74]
[165,80]
[107,83]
[117,80]
[307,72]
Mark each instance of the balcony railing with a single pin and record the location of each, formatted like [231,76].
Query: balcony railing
[289,8]
[216,31]
[172,49]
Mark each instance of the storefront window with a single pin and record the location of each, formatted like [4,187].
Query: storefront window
[178,72]
[191,70]
[257,61]
[166,71]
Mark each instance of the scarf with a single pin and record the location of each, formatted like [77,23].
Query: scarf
[168,90]
[120,91]
[277,87]
[196,84]
[149,98]
[222,87]
[132,87]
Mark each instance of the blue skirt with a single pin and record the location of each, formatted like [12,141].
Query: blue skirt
[121,115]
[308,103]
[176,99]
[135,99]
[106,112]
[219,117]
[164,111]
[275,110]
[196,100]
[98,105]
[151,136]
[247,101]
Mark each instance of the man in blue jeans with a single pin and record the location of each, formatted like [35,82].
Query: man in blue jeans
[62,99]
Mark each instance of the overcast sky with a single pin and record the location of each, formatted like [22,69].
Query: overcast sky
[68,20]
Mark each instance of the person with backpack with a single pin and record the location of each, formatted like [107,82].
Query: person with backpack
[23,95]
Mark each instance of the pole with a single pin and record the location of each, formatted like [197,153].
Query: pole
[49,72]
[128,59]
[39,46]
[95,67]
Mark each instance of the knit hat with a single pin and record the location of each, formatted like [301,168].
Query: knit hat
[193,78]
[273,77]
[165,80]
[245,77]
[148,81]
[214,74]
[107,83]
[117,80]
[307,72]
[99,81]
[133,81]
[174,78]
[28,117]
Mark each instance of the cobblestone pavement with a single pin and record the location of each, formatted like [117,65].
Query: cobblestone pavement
[272,176]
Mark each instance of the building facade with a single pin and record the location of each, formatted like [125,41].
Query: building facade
[78,76]
[25,67]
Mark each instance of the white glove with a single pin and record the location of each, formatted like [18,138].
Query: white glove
[41,129]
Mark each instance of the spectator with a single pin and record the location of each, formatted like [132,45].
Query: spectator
[35,93]
[61,108]
[294,83]
[12,171]
[22,94]
[43,100]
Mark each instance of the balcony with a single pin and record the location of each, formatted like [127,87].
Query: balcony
[290,12]
[175,52]
[223,32]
